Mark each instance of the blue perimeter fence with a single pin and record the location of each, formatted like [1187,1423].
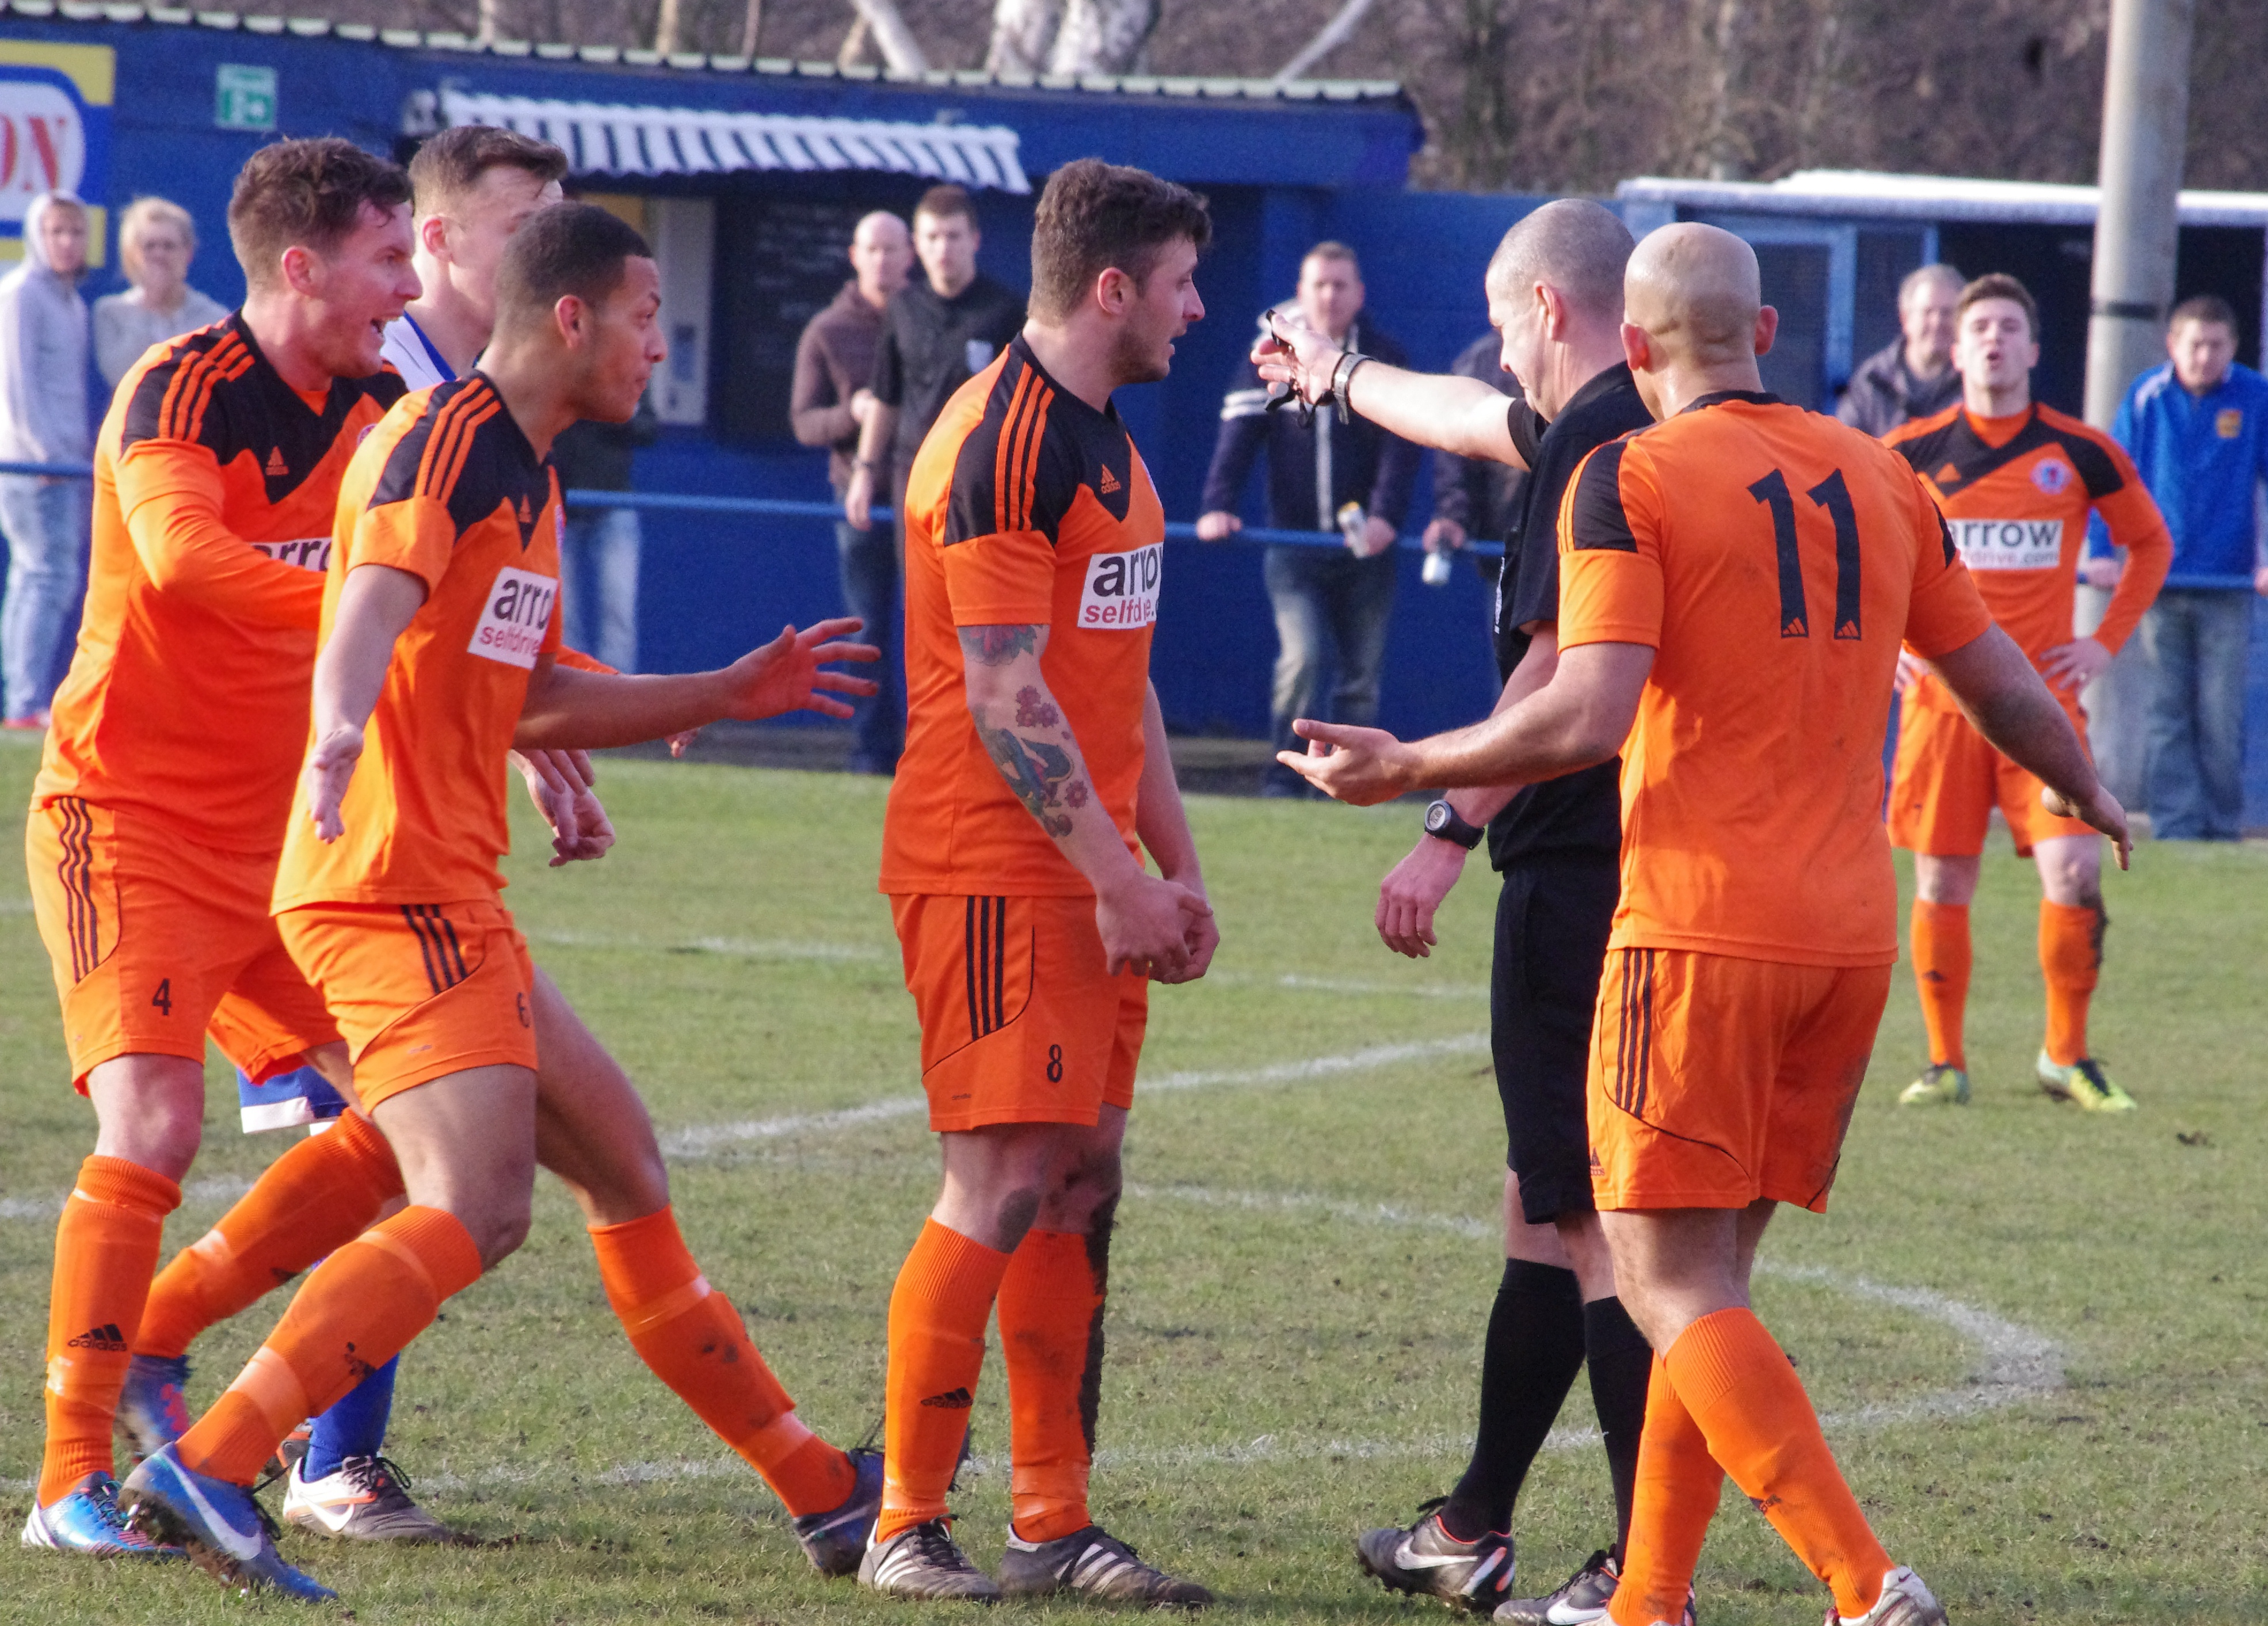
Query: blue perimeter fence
[1212,656]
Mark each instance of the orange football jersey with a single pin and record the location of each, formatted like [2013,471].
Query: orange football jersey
[1025,507]
[215,482]
[449,489]
[2015,492]
[1773,559]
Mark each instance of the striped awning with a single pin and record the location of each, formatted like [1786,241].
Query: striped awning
[611,139]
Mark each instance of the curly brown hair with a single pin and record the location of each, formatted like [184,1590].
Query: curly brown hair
[1094,216]
[305,194]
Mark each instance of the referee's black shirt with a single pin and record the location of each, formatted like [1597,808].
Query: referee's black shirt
[1579,812]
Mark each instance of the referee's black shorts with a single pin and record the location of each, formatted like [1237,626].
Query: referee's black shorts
[1551,926]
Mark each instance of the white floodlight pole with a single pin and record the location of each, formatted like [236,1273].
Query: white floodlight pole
[2145,104]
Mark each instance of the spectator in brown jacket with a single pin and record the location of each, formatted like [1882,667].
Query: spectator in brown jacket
[830,404]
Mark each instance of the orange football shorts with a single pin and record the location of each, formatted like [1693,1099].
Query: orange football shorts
[420,990]
[1716,1081]
[1948,779]
[158,942]
[1022,1022]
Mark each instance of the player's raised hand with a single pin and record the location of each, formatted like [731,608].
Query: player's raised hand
[2102,811]
[786,675]
[1290,352]
[1145,923]
[1364,767]
[329,771]
[1412,891]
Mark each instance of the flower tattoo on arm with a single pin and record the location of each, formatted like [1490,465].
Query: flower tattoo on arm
[996,646]
[1034,709]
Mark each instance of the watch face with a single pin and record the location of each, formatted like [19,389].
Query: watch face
[1437,817]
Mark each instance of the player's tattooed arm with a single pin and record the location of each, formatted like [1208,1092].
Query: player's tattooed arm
[996,646]
[1022,724]
[1039,773]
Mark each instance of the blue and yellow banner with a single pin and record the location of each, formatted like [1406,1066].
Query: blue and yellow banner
[55,134]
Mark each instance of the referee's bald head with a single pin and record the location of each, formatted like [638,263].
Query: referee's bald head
[1574,244]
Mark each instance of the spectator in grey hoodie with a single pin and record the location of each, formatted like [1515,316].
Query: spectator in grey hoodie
[43,419]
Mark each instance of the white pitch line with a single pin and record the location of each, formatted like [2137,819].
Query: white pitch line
[749,948]
[2016,1362]
[698,1141]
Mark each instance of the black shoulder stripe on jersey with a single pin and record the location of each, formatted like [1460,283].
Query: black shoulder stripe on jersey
[468,454]
[397,482]
[147,416]
[1013,472]
[1972,460]
[1597,518]
[2097,471]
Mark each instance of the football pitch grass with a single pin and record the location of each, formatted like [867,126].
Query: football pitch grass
[2036,1334]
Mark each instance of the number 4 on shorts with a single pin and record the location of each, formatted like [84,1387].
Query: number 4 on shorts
[163,1000]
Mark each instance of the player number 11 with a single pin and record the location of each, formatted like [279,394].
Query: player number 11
[1833,495]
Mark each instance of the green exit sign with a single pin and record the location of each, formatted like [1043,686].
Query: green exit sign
[244,98]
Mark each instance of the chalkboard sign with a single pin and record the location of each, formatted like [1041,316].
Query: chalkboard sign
[781,258]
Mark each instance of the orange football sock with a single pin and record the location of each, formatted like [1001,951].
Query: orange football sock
[1942,963]
[1678,1484]
[938,1311]
[106,1247]
[318,1196]
[1752,1408]
[356,1312]
[695,1342]
[2071,958]
[1051,1335]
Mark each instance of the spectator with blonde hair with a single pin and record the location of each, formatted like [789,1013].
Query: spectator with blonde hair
[157,240]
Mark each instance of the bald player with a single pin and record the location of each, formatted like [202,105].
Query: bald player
[1555,293]
[1735,584]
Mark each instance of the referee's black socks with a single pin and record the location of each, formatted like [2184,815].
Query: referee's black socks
[1535,1347]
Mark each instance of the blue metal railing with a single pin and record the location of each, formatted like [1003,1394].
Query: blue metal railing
[785,508]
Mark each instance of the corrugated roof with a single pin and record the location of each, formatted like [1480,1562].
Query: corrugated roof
[611,56]
[1925,197]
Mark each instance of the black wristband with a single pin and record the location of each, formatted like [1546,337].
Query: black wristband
[1446,823]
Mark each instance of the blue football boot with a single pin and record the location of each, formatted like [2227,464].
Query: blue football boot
[836,1540]
[223,1530]
[152,1410]
[87,1520]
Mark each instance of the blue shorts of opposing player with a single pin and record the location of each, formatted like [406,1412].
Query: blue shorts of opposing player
[356,1426]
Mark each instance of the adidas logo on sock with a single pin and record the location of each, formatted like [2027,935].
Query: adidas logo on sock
[108,1337]
[951,1399]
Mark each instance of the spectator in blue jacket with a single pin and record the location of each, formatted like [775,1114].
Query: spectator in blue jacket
[1332,604]
[2197,429]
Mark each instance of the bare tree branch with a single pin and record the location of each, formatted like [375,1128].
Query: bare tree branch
[665,25]
[1334,34]
[752,28]
[901,52]
[1022,32]
[854,43]
[1102,36]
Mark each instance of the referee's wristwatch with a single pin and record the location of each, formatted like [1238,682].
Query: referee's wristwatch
[1442,820]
